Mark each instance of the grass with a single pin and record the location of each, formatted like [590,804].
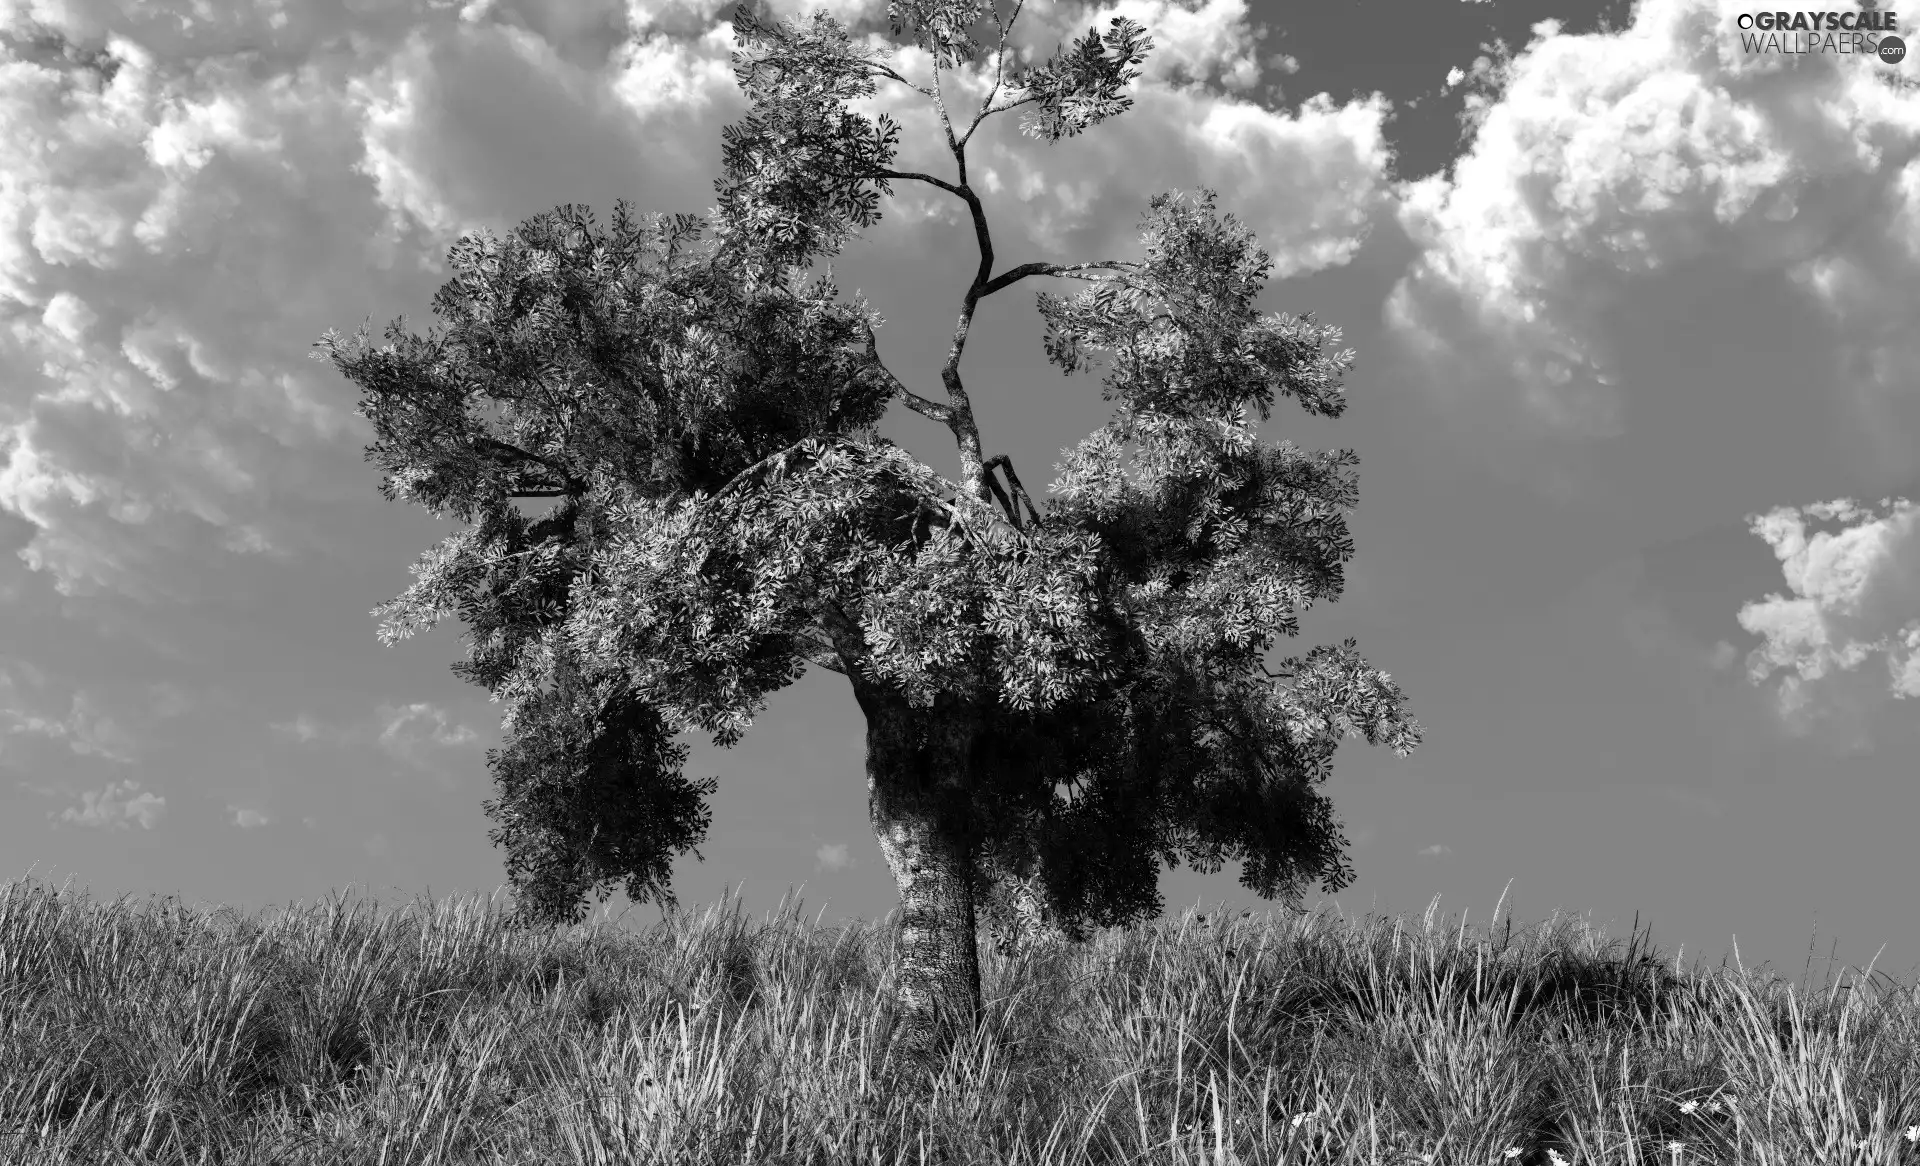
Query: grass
[437,1033]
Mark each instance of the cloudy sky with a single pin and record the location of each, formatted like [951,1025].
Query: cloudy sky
[1636,411]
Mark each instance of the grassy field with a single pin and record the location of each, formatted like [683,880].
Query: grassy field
[345,1033]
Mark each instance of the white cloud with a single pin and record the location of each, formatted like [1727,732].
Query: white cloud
[248,819]
[422,735]
[1208,41]
[1845,636]
[419,734]
[1653,171]
[1712,807]
[833,857]
[118,721]
[83,725]
[1436,851]
[1309,182]
[304,728]
[410,731]
[115,807]
[847,11]
[187,210]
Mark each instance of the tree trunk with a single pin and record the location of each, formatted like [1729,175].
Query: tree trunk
[917,797]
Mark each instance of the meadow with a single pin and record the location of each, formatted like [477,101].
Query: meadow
[345,1033]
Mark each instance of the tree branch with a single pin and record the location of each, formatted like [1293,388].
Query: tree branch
[506,449]
[1005,465]
[914,176]
[1014,275]
[911,399]
[849,642]
[993,484]
[821,652]
[497,446]
[887,72]
[999,71]
[946,124]
[758,466]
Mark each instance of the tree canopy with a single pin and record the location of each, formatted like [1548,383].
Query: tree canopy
[1063,692]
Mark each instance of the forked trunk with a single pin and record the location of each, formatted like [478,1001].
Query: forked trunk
[917,779]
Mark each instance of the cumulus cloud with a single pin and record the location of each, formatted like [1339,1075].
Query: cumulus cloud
[248,819]
[186,211]
[834,856]
[116,807]
[82,725]
[1436,851]
[196,192]
[414,732]
[307,729]
[423,735]
[1845,636]
[1693,799]
[1310,182]
[1632,195]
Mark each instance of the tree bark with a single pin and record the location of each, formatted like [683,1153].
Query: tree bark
[918,765]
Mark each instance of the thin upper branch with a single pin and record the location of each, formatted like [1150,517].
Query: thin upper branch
[911,176]
[913,400]
[1000,496]
[497,446]
[1005,464]
[946,124]
[888,72]
[503,450]
[1014,275]
[999,72]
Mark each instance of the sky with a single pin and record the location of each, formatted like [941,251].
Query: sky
[1636,401]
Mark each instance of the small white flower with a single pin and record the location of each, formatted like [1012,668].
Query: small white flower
[1689,1106]
[1554,1156]
[1674,1148]
[1913,1133]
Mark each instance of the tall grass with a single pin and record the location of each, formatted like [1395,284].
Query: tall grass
[438,1033]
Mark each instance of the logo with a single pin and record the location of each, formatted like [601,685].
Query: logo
[1868,31]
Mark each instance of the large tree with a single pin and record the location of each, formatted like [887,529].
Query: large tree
[1060,693]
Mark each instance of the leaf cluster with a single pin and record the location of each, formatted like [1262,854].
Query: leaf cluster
[726,517]
[574,359]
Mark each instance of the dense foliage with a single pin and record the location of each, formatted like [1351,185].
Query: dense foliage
[1063,692]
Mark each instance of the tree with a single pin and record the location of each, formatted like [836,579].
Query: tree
[1060,694]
